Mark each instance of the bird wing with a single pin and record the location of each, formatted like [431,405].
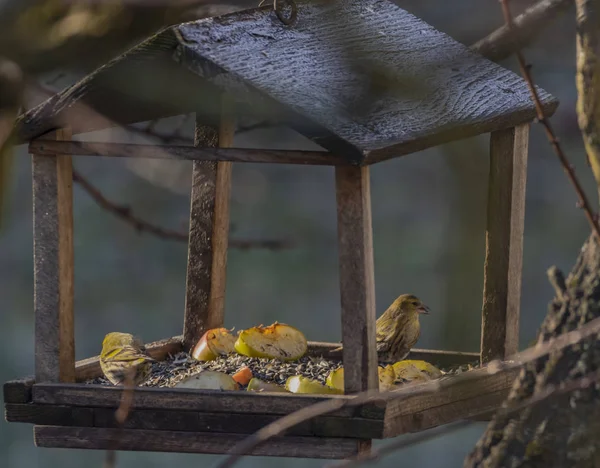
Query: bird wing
[125,354]
[385,329]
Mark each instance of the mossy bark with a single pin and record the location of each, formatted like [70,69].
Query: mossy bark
[562,431]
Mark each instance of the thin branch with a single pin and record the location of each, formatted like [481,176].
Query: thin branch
[328,406]
[569,169]
[550,391]
[505,41]
[125,213]
[121,414]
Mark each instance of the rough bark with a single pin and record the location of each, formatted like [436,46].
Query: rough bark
[563,431]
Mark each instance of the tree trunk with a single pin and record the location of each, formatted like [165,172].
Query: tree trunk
[564,430]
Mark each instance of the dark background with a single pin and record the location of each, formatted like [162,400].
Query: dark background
[428,221]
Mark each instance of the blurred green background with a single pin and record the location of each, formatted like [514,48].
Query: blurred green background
[428,221]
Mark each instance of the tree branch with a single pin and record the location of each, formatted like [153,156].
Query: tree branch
[549,392]
[505,40]
[569,169]
[588,80]
[125,213]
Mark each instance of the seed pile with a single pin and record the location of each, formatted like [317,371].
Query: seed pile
[180,366]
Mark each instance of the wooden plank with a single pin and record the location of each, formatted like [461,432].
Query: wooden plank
[446,414]
[357,283]
[189,421]
[57,415]
[131,150]
[459,401]
[189,442]
[18,391]
[239,423]
[88,369]
[53,266]
[209,232]
[504,243]
[209,401]
[438,90]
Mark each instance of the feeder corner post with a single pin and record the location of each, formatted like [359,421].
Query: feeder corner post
[209,230]
[357,282]
[53,259]
[504,242]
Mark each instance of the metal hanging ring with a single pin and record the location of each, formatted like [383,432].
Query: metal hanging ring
[278,6]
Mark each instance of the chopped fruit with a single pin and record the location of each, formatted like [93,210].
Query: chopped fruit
[215,342]
[257,385]
[243,376]
[209,380]
[277,341]
[299,384]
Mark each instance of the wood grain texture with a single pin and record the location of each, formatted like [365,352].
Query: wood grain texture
[89,368]
[192,400]
[142,84]
[439,90]
[459,401]
[209,232]
[357,282]
[130,150]
[189,442]
[300,76]
[53,266]
[51,415]
[504,243]
[189,421]
[18,391]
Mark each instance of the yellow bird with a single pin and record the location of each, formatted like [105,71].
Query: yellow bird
[123,354]
[398,328]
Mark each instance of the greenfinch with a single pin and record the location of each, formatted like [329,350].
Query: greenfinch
[398,328]
[124,355]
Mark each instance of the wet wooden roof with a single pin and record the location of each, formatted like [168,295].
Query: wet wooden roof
[314,76]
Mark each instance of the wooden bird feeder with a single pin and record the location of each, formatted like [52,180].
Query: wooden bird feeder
[250,65]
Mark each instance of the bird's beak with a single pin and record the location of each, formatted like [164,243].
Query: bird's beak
[424,310]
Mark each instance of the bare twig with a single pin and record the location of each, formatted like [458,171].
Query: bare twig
[328,406]
[569,169]
[505,41]
[125,213]
[122,413]
[550,391]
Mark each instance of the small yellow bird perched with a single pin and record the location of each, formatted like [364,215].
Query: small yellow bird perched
[398,328]
[121,354]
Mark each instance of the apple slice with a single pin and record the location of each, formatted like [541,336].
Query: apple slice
[300,384]
[257,385]
[277,341]
[209,380]
[215,342]
[416,370]
[387,377]
[335,379]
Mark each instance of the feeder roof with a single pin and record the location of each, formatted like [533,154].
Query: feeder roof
[362,78]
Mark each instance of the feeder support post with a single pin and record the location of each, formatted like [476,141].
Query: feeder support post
[357,283]
[504,243]
[209,231]
[53,265]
